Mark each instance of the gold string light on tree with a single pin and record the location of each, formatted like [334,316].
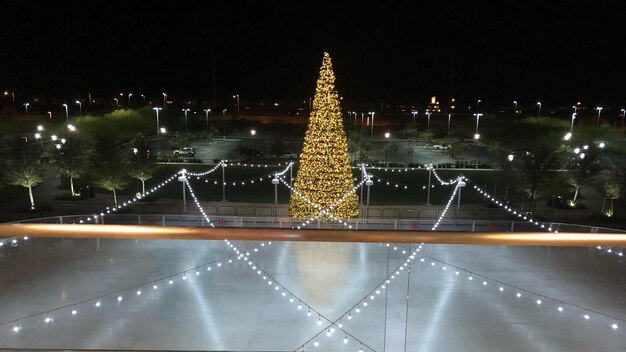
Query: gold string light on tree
[324,174]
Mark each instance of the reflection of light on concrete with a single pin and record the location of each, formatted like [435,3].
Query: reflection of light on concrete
[440,306]
[208,316]
[329,258]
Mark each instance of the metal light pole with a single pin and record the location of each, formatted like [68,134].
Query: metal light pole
[26,106]
[164,100]
[236,97]
[224,120]
[6,93]
[458,202]
[362,119]
[275,182]
[539,111]
[252,133]
[477,120]
[623,115]
[117,103]
[158,129]
[414,113]
[477,104]
[387,134]
[207,112]
[369,184]
[372,133]
[183,179]
[430,172]
[571,128]
[144,99]
[599,108]
[129,95]
[223,181]
[80,106]
[186,111]
[449,119]
[67,118]
[515,103]
[428,113]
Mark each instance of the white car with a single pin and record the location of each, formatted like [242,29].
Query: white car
[288,155]
[186,151]
[441,147]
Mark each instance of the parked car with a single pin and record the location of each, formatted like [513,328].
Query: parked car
[246,151]
[289,155]
[186,151]
[441,147]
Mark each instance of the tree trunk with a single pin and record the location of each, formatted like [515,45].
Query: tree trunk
[32,199]
[575,196]
[603,202]
[114,197]
[143,187]
[72,185]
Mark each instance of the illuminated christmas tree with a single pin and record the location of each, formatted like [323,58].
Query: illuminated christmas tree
[325,175]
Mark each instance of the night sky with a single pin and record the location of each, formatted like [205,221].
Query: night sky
[399,52]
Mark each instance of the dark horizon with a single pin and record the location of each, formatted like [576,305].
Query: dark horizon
[399,52]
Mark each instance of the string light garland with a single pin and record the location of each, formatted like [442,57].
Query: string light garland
[301,305]
[459,184]
[395,184]
[118,296]
[325,173]
[558,305]
[441,181]
[217,166]
[514,212]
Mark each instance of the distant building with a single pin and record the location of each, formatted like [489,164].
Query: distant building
[433,106]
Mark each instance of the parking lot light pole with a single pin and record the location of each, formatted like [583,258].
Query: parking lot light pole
[207,112]
[414,112]
[183,179]
[252,133]
[67,116]
[458,201]
[158,129]
[623,115]
[599,108]
[372,133]
[186,111]
[428,113]
[449,119]
[275,182]
[224,121]
[369,184]
[223,181]
[430,173]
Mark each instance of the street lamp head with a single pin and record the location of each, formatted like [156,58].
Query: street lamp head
[599,108]
[157,108]
[163,130]
[77,102]
[476,136]
[387,134]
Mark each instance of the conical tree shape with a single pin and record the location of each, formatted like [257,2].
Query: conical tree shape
[324,175]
